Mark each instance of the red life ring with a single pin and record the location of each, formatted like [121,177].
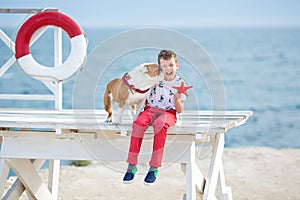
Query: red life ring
[71,64]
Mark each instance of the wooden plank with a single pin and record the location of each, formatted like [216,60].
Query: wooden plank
[194,122]
[69,119]
[53,177]
[224,191]
[214,168]
[17,188]
[189,174]
[80,121]
[22,10]
[101,111]
[26,97]
[97,126]
[188,113]
[87,147]
[4,170]
[190,182]
[30,178]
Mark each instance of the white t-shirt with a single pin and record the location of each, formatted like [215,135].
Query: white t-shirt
[162,94]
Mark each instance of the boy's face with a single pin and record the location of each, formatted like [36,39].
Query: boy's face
[168,68]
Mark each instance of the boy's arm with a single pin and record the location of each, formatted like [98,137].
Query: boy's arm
[180,96]
[179,104]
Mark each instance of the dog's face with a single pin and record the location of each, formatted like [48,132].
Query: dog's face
[152,70]
[147,72]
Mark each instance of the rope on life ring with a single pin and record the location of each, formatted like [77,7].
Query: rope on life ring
[71,64]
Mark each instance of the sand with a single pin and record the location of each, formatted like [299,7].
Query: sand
[253,173]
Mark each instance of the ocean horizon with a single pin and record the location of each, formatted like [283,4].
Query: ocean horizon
[259,68]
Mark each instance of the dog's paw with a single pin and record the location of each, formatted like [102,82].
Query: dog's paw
[108,120]
[133,112]
[116,123]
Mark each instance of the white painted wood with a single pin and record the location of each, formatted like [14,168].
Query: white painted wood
[221,180]
[4,170]
[11,45]
[53,179]
[94,120]
[50,86]
[228,195]
[42,126]
[190,182]
[214,168]
[24,10]
[86,147]
[199,179]
[30,178]
[17,187]
[7,41]
[15,191]
[190,175]
[7,65]
[44,97]
[37,34]
[224,191]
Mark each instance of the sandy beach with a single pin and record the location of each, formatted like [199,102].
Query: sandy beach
[253,173]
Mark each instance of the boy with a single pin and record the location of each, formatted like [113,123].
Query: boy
[163,103]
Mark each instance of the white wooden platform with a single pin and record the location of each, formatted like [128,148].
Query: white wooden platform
[29,137]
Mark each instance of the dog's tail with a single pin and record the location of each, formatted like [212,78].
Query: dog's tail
[107,101]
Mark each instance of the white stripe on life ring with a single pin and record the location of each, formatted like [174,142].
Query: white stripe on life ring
[61,72]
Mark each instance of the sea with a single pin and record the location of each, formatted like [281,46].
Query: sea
[231,68]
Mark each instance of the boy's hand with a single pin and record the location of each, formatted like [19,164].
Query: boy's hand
[179,96]
[182,89]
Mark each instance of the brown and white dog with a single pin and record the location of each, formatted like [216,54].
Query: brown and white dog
[130,90]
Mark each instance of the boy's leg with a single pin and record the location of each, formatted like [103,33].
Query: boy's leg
[160,126]
[139,127]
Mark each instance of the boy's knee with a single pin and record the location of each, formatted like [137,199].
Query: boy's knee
[160,126]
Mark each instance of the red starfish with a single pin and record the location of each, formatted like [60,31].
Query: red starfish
[182,89]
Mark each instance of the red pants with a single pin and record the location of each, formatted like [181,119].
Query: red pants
[161,120]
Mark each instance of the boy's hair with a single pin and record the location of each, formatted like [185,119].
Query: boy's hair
[166,55]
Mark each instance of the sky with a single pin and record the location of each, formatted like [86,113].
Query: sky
[165,13]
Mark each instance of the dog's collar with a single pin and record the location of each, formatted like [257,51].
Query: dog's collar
[131,87]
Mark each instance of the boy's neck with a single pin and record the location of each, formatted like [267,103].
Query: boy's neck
[171,79]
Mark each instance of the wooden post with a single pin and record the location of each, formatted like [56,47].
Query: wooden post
[224,191]
[54,165]
[30,178]
[190,176]
[4,170]
[214,168]
[17,188]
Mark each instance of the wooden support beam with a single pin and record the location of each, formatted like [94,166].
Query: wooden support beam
[214,168]
[23,10]
[30,178]
[224,191]
[86,147]
[17,188]
[4,170]
[190,175]
[194,177]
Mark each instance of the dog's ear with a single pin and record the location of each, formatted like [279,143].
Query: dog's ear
[146,68]
[128,77]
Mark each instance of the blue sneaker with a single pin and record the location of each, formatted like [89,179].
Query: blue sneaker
[129,176]
[150,178]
